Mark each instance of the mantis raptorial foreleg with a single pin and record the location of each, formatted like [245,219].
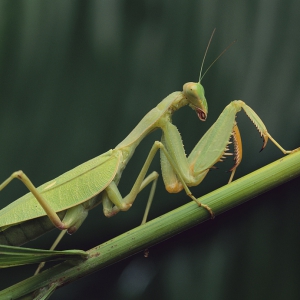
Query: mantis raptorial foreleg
[210,149]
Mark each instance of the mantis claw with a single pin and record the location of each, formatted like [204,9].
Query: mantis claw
[212,215]
[265,141]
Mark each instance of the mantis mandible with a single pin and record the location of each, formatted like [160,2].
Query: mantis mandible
[64,202]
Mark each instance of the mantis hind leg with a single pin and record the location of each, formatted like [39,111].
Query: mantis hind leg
[74,215]
[44,204]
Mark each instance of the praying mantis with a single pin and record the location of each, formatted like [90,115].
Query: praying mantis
[64,202]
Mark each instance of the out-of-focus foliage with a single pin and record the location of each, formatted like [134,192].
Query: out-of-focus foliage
[77,76]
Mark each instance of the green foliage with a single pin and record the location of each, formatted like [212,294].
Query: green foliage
[16,256]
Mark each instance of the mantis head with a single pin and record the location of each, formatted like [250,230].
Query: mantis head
[194,92]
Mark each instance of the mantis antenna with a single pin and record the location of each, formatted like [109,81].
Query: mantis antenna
[205,55]
[201,77]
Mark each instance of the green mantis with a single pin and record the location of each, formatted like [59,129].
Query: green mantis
[64,202]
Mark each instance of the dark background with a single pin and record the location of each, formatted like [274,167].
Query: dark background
[77,76]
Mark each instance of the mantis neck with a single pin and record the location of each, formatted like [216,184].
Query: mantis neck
[156,118]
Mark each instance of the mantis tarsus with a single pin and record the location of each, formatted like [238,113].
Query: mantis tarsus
[64,202]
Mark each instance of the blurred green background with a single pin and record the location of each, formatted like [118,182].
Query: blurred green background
[77,76]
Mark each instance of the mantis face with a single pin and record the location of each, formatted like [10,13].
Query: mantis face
[194,92]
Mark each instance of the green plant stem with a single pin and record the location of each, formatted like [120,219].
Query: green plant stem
[163,227]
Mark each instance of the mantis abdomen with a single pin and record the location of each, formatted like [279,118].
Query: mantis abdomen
[27,231]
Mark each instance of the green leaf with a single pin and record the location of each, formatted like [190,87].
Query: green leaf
[45,293]
[16,256]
